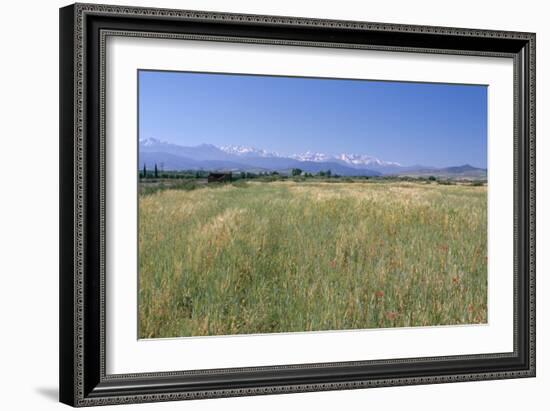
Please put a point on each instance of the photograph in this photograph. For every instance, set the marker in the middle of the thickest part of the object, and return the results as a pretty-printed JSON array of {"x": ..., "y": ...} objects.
[{"x": 280, "y": 204}]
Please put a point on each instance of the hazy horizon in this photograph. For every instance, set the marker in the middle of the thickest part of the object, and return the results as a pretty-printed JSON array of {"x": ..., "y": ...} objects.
[{"x": 438, "y": 125}]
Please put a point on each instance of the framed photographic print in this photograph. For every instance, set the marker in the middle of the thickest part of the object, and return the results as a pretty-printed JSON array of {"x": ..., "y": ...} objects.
[{"x": 262, "y": 204}]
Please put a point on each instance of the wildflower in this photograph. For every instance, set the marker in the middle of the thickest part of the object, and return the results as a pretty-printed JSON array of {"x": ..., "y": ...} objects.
[
  {"x": 379, "y": 294},
  {"x": 391, "y": 315}
]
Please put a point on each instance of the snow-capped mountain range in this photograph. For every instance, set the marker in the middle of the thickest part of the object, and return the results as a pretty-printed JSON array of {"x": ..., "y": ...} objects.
[
  {"x": 248, "y": 151},
  {"x": 241, "y": 158},
  {"x": 350, "y": 159}
]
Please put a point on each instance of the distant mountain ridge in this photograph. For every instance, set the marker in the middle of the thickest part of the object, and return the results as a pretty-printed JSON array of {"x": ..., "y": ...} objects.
[
  {"x": 354, "y": 160},
  {"x": 240, "y": 158}
]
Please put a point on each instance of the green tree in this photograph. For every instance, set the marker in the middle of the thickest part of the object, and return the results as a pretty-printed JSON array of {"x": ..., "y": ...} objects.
[
  {"x": 144, "y": 171},
  {"x": 296, "y": 172},
  {"x": 156, "y": 171}
]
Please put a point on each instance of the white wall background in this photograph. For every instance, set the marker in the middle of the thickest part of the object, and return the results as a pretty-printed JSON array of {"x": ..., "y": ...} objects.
[{"x": 29, "y": 203}]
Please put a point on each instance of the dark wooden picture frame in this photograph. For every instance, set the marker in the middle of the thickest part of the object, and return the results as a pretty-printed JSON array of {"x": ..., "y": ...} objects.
[{"x": 83, "y": 380}]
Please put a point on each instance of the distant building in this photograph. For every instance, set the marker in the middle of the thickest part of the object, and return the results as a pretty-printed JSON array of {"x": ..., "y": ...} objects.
[{"x": 220, "y": 177}]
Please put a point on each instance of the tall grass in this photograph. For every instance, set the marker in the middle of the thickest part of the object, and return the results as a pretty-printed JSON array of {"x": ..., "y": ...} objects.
[{"x": 288, "y": 256}]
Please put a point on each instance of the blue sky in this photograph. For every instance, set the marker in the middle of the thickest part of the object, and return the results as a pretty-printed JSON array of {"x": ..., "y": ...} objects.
[{"x": 411, "y": 123}]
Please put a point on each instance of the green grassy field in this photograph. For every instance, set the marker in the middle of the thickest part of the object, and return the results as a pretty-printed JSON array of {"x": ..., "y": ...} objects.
[{"x": 301, "y": 256}]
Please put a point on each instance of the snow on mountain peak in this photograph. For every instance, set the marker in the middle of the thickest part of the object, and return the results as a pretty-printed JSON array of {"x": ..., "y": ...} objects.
[
  {"x": 363, "y": 159},
  {"x": 311, "y": 156},
  {"x": 150, "y": 141},
  {"x": 350, "y": 159},
  {"x": 247, "y": 151}
]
